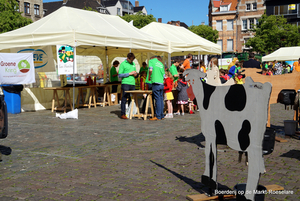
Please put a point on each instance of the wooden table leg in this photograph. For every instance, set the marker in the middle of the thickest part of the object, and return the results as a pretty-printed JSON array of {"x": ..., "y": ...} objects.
[
  {"x": 137, "y": 106},
  {"x": 131, "y": 109},
  {"x": 90, "y": 98},
  {"x": 57, "y": 99},
  {"x": 147, "y": 106},
  {"x": 70, "y": 102},
  {"x": 94, "y": 96},
  {"x": 151, "y": 102},
  {"x": 53, "y": 101},
  {"x": 108, "y": 95}
]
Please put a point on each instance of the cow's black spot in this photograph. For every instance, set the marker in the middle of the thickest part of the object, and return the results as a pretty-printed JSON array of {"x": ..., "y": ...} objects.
[
  {"x": 243, "y": 136},
  {"x": 208, "y": 90},
  {"x": 211, "y": 162},
  {"x": 220, "y": 132},
  {"x": 210, "y": 183},
  {"x": 235, "y": 99}
]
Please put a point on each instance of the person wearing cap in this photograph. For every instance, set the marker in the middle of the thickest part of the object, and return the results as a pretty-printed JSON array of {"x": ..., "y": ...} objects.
[{"x": 127, "y": 72}]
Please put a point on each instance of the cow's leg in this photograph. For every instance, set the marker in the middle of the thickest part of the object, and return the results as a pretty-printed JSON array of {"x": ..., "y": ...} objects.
[
  {"x": 210, "y": 173},
  {"x": 255, "y": 168}
]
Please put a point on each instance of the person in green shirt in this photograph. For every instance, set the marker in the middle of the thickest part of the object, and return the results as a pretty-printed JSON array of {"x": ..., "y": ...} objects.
[
  {"x": 144, "y": 67},
  {"x": 127, "y": 72},
  {"x": 113, "y": 76},
  {"x": 173, "y": 69},
  {"x": 156, "y": 76}
]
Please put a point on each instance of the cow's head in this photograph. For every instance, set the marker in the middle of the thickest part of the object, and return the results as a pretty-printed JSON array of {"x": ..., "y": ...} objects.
[{"x": 193, "y": 74}]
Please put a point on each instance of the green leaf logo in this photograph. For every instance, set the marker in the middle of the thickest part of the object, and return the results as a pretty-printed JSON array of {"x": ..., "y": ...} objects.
[{"x": 24, "y": 66}]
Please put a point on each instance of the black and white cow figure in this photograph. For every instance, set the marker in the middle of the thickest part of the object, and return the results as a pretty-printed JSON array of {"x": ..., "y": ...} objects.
[{"x": 236, "y": 116}]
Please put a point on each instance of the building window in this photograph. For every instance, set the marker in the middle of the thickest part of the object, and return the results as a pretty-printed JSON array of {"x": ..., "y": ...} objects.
[
  {"x": 26, "y": 8},
  {"x": 229, "y": 45},
  {"x": 286, "y": 9},
  {"x": 229, "y": 24},
  {"x": 245, "y": 27},
  {"x": 224, "y": 8},
  {"x": 220, "y": 42},
  {"x": 248, "y": 6},
  {"x": 245, "y": 41},
  {"x": 219, "y": 25},
  {"x": 251, "y": 23},
  {"x": 36, "y": 9},
  {"x": 119, "y": 11},
  {"x": 254, "y": 6},
  {"x": 17, "y": 6}
]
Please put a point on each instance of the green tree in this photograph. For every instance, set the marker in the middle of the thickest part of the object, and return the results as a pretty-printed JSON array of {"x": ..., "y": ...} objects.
[
  {"x": 10, "y": 17},
  {"x": 139, "y": 19},
  {"x": 205, "y": 32},
  {"x": 89, "y": 8},
  {"x": 273, "y": 32}
]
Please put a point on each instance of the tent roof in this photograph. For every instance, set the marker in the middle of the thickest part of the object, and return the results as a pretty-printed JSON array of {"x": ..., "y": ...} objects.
[
  {"x": 181, "y": 39},
  {"x": 77, "y": 27},
  {"x": 284, "y": 54}
]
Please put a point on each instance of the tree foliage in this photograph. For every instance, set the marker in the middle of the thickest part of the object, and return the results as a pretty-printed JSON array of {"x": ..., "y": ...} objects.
[
  {"x": 89, "y": 8},
  {"x": 10, "y": 18},
  {"x": 273, "y": 32},
  {"x": 205, "y": 32},
  {"x": 139, "y": 19}
]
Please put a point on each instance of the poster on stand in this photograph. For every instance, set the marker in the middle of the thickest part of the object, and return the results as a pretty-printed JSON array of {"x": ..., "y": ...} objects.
[
  {"x": 224, "y": 63},
  {"x": 16, "y": 68},
  {"x": 42, "y": 57},
  {"x": 65, "y": 59}
]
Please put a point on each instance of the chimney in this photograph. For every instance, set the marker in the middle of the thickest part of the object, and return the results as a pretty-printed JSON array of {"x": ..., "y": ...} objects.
[
  {"x": 178, "y": 23},
  {"x": 137, "y": 3},
  {"x": 159, "y": 20}
]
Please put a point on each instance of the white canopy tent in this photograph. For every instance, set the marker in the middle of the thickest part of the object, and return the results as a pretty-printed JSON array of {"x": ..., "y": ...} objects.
[
  {"x": 90, "y": 32},
  {"x": 181, "y": 41},
  {"x": 284, "y": 54}
]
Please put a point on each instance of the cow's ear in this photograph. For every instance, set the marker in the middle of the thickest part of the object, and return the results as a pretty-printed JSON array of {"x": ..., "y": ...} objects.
[{"x": 249, "y": 80}]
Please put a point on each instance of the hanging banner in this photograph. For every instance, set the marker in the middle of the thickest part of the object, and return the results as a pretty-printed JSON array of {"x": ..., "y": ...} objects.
[
  {"x": 16, "y": 68},
  {"x": 42, "y": 57},
  {"x": 65, "y": 58}
]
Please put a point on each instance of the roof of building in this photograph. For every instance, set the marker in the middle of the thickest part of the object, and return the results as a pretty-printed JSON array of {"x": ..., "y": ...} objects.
[
  {"x": 53, "y": 6},
  {"x": 137, "y": 9},
  {"x": 109, "y": 3},
  {"x": 227, "y": 2},
  {"x": 178, "y": 23},
  {"x": 216, "y": 3}
]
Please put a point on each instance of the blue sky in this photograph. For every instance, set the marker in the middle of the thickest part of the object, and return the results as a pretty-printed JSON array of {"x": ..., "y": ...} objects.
[{"x": 191, "y": 12}]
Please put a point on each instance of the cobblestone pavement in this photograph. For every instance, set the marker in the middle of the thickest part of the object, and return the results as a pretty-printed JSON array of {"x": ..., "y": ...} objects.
[{"x": 101, "y": 157}]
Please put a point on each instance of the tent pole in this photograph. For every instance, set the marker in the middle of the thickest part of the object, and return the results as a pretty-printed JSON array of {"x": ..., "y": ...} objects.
[
  {"x": 169, "y": 60},
  {"x": 74, "y": 56}
]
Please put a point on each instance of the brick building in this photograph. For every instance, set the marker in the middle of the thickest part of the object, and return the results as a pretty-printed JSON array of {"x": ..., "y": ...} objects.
[
  {"x": 32, "y": 9},
  {"x": 233, "y": 19}
]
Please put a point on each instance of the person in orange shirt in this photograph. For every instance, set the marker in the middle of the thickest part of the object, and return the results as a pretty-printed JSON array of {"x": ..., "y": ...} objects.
[
  {"x": 296, "y": 65},
  {"x": 186, "y": 63}
]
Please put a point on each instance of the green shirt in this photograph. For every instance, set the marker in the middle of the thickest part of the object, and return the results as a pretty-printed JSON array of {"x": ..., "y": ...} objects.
[
  {"x": 127, "y": 67},
  {"x": 147, "y": 81},
  {"x": 113, "y": 71},
  {"x": 158, "y": 71},
  {"x": 143, "y": 69},
  {"x": 173, "y": 71}
]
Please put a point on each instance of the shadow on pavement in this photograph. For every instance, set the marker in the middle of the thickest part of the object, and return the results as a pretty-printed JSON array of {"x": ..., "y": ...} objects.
[
  {"x": 198, "y": 186},
  {"x": 116, "y": 112},
  {"x": 197, "y": 139},
  {"x": 292, "y": 154},
  {"x": 5, "y": 150}
]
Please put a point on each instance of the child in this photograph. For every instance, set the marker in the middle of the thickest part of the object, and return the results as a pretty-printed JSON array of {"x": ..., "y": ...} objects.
[
  {"x": 168, "y": 86},
  {"x": 239, "y": 78},
  {"x": 223, "y": 76},
  {"x": 143, "y": 85},
  {"x": 182, "y": 94}
]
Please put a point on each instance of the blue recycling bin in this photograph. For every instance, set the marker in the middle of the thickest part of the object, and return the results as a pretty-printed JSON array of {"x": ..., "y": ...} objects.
[{"x": 12, "y": 97}]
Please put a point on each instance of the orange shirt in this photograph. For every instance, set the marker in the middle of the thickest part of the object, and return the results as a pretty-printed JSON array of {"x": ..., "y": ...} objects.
[
  {"x": 296, "y": 66},
  {"x": 186, "y": 64}
]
